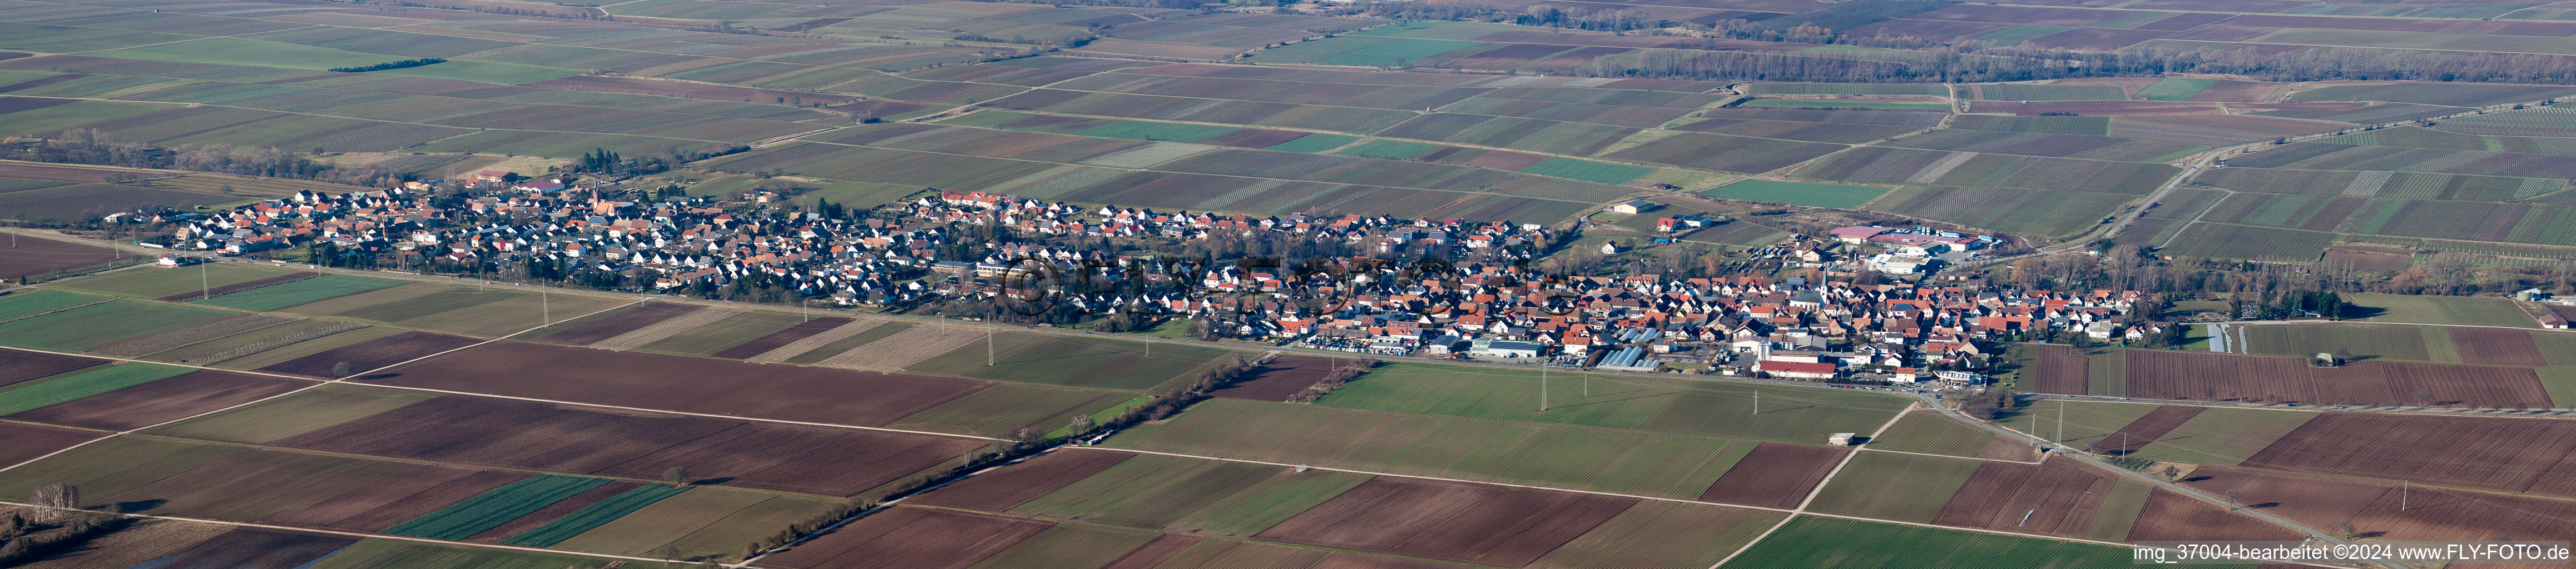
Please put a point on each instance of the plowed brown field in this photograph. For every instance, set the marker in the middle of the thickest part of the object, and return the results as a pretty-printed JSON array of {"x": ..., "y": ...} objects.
[
  {"x": 478, "y": 430},
  {"x": 2480, "y": 452},
  {"x": 371, "y": 354},
  {"x": 2393, "y": 511},
  {"x": 618, "y": 323},
  {"x": 682, "y": 383},
  {"x": 33, "y": 256},
  {"x": 2055, "y": 368},
  {"x": 238, "y": 287},
  {"x": 2057, "y": 497},
  {"x": 1774, "y": 475},
  {"x": 26, "y": 442},
  {"x": 775, "y": 340},
  {"x": 2204, "y": 376},
  {"x": 1282, "y": 377},
  {"x": 2496, "y": 346},
  {"x": 2171, "y": 516},
  {"x": 1465, "y": 522},
  {"x": 22, "y": 365},
  {"x": 398, "y": 498},
  {"x": 2147, "y": 429}
]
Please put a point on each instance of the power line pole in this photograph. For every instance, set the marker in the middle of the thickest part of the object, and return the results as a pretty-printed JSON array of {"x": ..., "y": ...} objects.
[
  {"x": 1757, "y": 403},
  {"x": 1542, "y": 389},
  {"x": 988, "y": 347},
  {"x": 2061, "y": 420},
  {"x": 545, "y": 306},
  {"x": 204, "y": 291}
]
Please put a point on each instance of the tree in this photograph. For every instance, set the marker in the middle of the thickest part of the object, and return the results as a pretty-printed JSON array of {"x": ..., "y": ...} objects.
[
  {"x": 676, "y": 476},
  {"x": 342, "y": 369},
  {"x": 2172, "y": 473},
  {"x": 2235, "y": 499},
  {"x": 58, "y": 497},
  {"x": 2347, "y": 529},
  {"x": 1027, "y": 436},
  {"x": 1083, "y": 424}
]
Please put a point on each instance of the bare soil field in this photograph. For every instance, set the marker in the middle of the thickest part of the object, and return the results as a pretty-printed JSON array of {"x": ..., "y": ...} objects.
[
  {"x": 26, "y": 442},
  {"x": 2392, "y": 511},
  {"x": 371, "y": 354},
  {"x": 2171, "y": 516},
  {"x": 35, "y": 256},
  {"x": 162, "y": 400},
  {"x": 916, "y": 538},
  {"x": 2214, "y": 130},
  {"x": 478, "y": 430},
  {"x": 2147, "y": 429},
  {"x": 775, "y": 340},
  {"x": 22, "y": 365},
  {"x": 2496, "y": 346},
  {"x": 814, "y": 342},
  {"x": 614, "y": 324},
  {"x": 2094, "y": 108},
  {"x": 238, "y": 287},
  {"x": 1282, "y": 377},
  {"x": 2519, "y": 455},
  {"x": 1007, "y": 487},
  {"x": 2058, "y": 497},
  {"x": 2055, "y": 368},
  {"x": 894, "y": 353},
  {"x": 682, "y": 383},
  {"x": 686, "y": 90},
  {"x": 398, "y": 498},
  {"x": 1464, "y": 522},
  {"x": 66, "y": 172},
  {"x": 1774, "y": 475},
  {"x": 2206, "y": 376},
  {"x": 666, "y": 328}
]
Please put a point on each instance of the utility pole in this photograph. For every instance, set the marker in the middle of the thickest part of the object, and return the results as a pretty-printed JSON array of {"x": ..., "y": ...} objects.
[
  {"x": 545, "y": 306},
  {"x": 1542, "y": 389},
  {"x": 1757, "y": 403},
  {"x": 204, "y": 290},
  {"x": 988, "y": 347},
  {"x": 1587, "y": 386},
  {"x": 2061, "y": 420},
  {"x": 2402, "y": 493}
]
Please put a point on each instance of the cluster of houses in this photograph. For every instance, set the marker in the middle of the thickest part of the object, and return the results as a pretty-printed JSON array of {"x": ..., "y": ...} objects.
[
  {"x": 1781, "y": 328},
  {"x": 1908, "y": 251},
  {"x": 1483, "y": 304}
]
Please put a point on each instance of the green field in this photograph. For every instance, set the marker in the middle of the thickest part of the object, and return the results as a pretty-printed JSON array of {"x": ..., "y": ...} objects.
[
  {"x": 1931, "y": 432},
  {"x": 595, "y": 515},
  {"x": 1364, "y": 51},
  {"x": 496, "y": 507},
  {"x": 2085, "y": 423},
  {"x": 1662, "y": 534},
  {"x": 1788, "y": 414},
  {"x": 27, "y": 302},
  {"x": 1895, "y": 486},
  {"x": 1072, "y": 360},
  {"x": 676, "y": 517},
  {"x": 101, "y": 324},
  {"x": 2383, "y": 341},
  {"x": 2561, "y": 384},
  {"x": 1854, "y": 544},
  {"x": 157, "y": 282},
  {"x": 1230, "y": 498},
  {"x": 28, "y": 396},
  {"x": 293, "y": 414},
  {"x": 1843, "y": 196},
  {"x": 1589, "y": 458},
  {"x": 112, "y": 466},
  {"x": 2175, "y": 89},
  {"x": 995, "y": 411},
  {"x": 1070, "y": 545},
  {"x": 1588, "y": 170},
  {"x": 2446, "y": 310},
  {"x": 2224, "y": 436},
  {"x": 282, "y": 295}
]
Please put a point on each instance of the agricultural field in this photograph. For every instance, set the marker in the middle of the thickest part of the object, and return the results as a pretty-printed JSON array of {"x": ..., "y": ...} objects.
[
  {"x": 1619, "y": 401},
  {"x": 1844, "y": 196}
]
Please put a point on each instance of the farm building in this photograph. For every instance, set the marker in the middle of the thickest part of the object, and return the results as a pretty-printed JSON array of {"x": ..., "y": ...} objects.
[
  {"x": 1795, "y": 370},
  {"x": 1505, "y": 349},
  {"x": 1855, "y": 235},
  {"x": 1841, "y": 439},
  {"x": 1632, "y": 206}
]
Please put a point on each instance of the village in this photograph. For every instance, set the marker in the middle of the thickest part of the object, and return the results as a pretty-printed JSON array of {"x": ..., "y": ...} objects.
[{"x": 1468, "y": 290}]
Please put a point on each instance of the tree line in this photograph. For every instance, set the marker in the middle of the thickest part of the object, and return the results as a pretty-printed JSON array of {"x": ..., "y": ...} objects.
[{"x": 391, "y": 65}]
